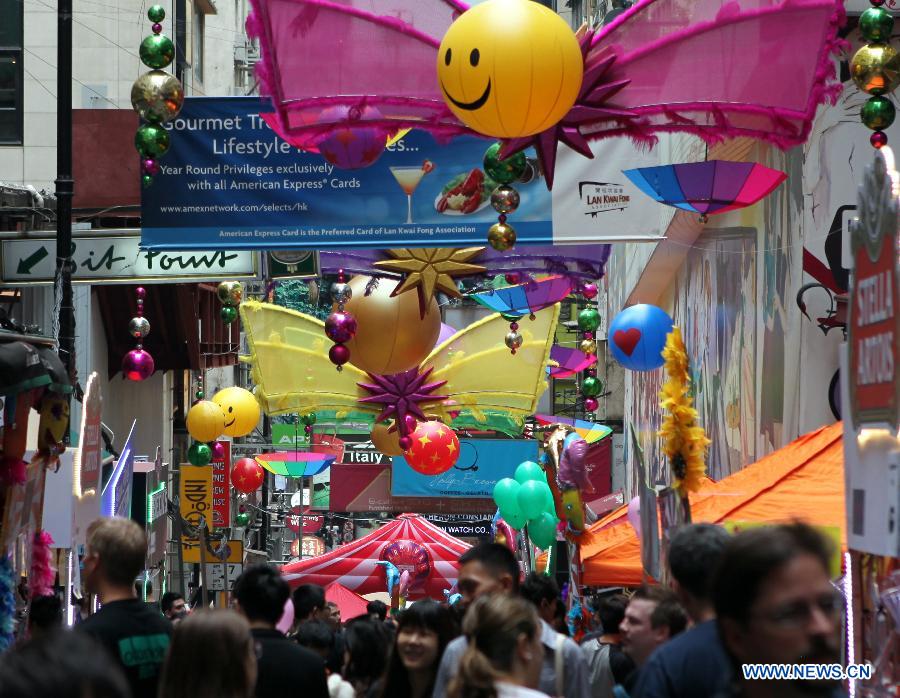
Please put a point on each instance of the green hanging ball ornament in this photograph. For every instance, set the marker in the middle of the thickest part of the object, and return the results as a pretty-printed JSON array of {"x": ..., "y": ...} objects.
[
  {"x": 199, "y": 454},
  {"x": 157, "y": 51},
  {"x": 877, "y": 113},
  {"x": 876, "y": 24},
  {"x": 156, "y": 13},
  {"x": 199, "y": 394},
  {"x": 228, "y": 314},
  {"x": 308, "y": 419},
  {"x": 504, "y": 171},
  {"x": 588, "y": 320},
  {"x": 151, "y": 140},
  {"x": 591, "y": 387},
  {"x": 146, "y": 180},
  {"x": 510, "y": 318},
  {"x": 242, "y": 519}
]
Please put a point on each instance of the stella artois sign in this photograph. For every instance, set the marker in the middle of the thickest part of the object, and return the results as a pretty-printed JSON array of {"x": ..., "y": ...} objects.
[{"x": 875, "y": 298}]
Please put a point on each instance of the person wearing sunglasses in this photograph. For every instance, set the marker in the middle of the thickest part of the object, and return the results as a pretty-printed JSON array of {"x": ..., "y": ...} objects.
[{"x": 775, "y": 604}]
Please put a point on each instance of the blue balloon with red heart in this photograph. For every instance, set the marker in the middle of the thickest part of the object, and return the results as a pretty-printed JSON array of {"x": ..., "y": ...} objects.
[{"x": 637, "y": 336}]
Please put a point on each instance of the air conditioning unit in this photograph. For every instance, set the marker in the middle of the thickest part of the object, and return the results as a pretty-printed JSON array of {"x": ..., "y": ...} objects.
[
  {"x": 240, "y": 53},
  {"x": 252, "y": 53}
]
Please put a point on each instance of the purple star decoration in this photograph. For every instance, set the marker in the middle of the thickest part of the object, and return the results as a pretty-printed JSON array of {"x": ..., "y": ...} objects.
[
  {"x": 589, "y": 107},
  {"x": 402, "y": 394}
]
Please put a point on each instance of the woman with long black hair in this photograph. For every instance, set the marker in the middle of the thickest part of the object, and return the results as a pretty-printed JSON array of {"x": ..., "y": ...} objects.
[{"x": 423, "y": 631}]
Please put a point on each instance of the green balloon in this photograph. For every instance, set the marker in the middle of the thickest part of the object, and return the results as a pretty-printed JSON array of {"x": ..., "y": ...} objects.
[
  {"x": 199, "y": 454},
  {"x": 156, "y": 13},
  {"x": 878, "y": 113},
  {"x": 542, "y": 530},
  {"x": 151, "y": 140},
  {"x": 506, "y": 170},
  {"x": 529, "y": 470},
  {"x": 505, "y": 493},
  {"x": 228, "y": 314},
  {"x": 588, "y": 320},
  {"x": 876, "y": 24},
  {"x": 532, "y": 498},
  {"x": 514, "y": 517},
  {"x": 591, "y": 386},
  {"x": 157, "y": 51}
]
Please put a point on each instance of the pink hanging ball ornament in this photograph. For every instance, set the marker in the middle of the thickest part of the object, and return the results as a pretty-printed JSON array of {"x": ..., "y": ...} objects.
[
  {"x": 405, "y": 442},
  {"x": 140, "y": 292},
  {"x": 157, "y": 28},
  {"x": 150, "y": 166},
  {"x": 589, "y": 291},
  {"x": 137, "y": 365},
  {"x": 340, "y": 327},
  {"x": 591, "y": 404},
  {"x": 354, "y": 145},
  {"x": 339, "y": 354},
  {"x": 218, "y": 451},
  {"x": 410, "y": 423}
]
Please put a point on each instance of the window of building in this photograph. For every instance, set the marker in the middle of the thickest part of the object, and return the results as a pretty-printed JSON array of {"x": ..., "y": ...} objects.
[
  {"x": 197, "y": 44},
  {"x": 11, "y": 71}
]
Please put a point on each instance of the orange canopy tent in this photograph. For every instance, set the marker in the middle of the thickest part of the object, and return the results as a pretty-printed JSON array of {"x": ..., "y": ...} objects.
[
  {"x": 349, "y": 602},
  {"x": 804, "y": 480}
]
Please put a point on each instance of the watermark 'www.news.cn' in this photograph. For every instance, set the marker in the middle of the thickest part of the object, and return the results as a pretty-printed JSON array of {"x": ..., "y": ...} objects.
[{"x": 806, "y": 672}]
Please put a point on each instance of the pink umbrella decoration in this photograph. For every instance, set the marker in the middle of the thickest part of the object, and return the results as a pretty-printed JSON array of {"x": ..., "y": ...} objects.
[
  {"x": 571, "y": 361},
  {"x": 661, "y": 66}
]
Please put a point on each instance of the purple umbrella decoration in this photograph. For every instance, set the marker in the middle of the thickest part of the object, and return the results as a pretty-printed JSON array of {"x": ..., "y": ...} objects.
[
  {"x": 570, "y": 361},
  {"x": 714, "y": 186},
  {"x": 513, "y": 302}
]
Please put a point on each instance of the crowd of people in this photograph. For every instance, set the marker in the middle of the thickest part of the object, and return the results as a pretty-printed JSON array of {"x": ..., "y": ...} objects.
[{"x": 763, "y": 595}]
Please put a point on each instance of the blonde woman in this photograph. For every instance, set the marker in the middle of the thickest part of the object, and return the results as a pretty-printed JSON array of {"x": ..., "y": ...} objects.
[{"x": 504, "y": 654}]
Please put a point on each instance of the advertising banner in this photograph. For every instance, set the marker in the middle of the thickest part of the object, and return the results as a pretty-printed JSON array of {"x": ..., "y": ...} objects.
[
  {"x": 195, "y": 498},
  {"x": 229, "y": 182},
  {"x": 221, "y": 475},
  {"x": 115, "y": 500},
  {"x": 481, "y": 463}
]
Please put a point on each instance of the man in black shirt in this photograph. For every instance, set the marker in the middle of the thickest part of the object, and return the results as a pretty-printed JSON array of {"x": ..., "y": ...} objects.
[
  {"x": 283, "y": 667},
  {"x": 135, "y": 635}
]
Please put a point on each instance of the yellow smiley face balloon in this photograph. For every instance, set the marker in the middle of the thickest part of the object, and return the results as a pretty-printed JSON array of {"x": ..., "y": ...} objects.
[
  {"x": 241, "y": 410},
  {"x": 510, "y": 68}
]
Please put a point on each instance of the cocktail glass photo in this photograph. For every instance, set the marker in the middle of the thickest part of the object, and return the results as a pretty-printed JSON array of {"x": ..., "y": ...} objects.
[{"x": 408, "y": 178}]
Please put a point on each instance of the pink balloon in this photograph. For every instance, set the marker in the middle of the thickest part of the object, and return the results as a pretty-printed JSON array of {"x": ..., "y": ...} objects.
[
  {"x": 287, "y": 617},
  {"x": 634, "y": 515}
]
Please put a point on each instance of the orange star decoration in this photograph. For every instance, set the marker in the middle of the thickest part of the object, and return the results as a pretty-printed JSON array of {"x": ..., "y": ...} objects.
[
  {"x": 435, "y": 448},
  {"x": 431, "y": 269}
]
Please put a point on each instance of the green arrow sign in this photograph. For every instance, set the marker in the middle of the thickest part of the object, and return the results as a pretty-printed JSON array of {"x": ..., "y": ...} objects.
[{"x": 27, "y": 264}]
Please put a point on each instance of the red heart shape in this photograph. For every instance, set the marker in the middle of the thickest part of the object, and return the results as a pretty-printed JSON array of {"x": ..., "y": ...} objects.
[{"x": 627, "y": 340}]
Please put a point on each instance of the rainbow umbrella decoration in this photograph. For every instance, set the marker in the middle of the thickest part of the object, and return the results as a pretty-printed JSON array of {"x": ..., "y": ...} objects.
[
  {"x": 569, "y": 361},
  {"x": 295, "y": 463},
  {"x": 525, "y": 298},
  {"x": 710, "y": 187},
  {"x": 589, "y": 431}
]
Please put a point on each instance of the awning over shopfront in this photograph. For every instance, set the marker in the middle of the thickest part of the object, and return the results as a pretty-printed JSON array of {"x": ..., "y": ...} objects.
[{"x": 802, "y": 481}]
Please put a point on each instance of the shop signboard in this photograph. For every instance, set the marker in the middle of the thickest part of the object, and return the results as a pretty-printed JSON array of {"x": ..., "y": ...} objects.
[
  {"x": 118, "y": 258},
  {"x": 195, "y": 497},
  {"x": 874, "y": 324},
  {"x": 462, "y": 525},
  {"x": 481, "y": 463},
  {"x": 221, "y": 475},
  {"x": 88, "y": 454},
  {"x": 115, "y": 499},
  {"x": 311, "y": 522},
  {"x": 229, "y": 182}
]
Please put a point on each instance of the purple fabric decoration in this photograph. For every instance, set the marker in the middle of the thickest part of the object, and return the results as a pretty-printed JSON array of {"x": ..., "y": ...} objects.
[
  {"x": 402, "y": 394},
  {"x": 571, "y": 361}
]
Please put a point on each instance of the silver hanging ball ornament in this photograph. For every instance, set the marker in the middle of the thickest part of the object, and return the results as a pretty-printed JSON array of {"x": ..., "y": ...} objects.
[
  {"x": 513, "y": 340},
  {"x": 139, "y": 327},
  {"x": 505, "y": 199},
  {"x": 341, "y": 292}
]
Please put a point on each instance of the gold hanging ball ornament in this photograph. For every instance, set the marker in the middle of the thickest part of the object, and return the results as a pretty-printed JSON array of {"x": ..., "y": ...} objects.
[
  {"x": 391, "y": 336},
  {"x": 876, "y": 69},
  {"x": 205, "y": 421},
  {"x": 386, "y": 441},
  {"x": 230, "y": 293},
  {"x": 502, "y": 237},
  {"x": 588, "y": 347},
  {"x": 157, "y": 96},
  {"x": 509, "y": 68},
  {"x": 240, "y": 409}
]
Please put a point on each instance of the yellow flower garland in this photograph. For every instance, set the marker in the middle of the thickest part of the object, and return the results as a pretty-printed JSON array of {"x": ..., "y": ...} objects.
[{"x": 685, "y": 442}]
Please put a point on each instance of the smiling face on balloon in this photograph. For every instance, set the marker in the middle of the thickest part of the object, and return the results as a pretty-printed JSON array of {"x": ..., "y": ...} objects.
[
  {"x": 240, "y": 408},
  {"x": 509, "y": 68}
]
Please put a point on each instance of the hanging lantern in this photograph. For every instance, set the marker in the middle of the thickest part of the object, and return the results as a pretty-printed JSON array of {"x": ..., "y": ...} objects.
[{"x": 247, "y": 475}]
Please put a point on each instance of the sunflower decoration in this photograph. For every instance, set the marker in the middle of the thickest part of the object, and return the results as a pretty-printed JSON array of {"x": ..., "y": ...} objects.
[{"x": 685, "y": 442}]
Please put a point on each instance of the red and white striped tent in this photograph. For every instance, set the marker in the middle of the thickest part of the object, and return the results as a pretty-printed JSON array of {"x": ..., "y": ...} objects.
[{"x": 354, "y": 564}]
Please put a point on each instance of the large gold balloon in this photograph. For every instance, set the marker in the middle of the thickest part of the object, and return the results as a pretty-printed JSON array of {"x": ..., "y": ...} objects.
[
  {"x": 876, "y": 69},
  {"x": 240, "y": 408},
  {"x": 385, "y": 441},
  {"x": 391, "y": 336},
  {"x": 205, "y": 421},
  {"x": 509, "y": 68},
  {"x": 157, "y": 96}
]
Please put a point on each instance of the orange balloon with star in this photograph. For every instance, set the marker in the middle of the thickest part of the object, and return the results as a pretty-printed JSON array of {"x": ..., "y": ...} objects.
[
  {"x": 247, "y": 475},
  {"x": 435, "y": 448}
]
